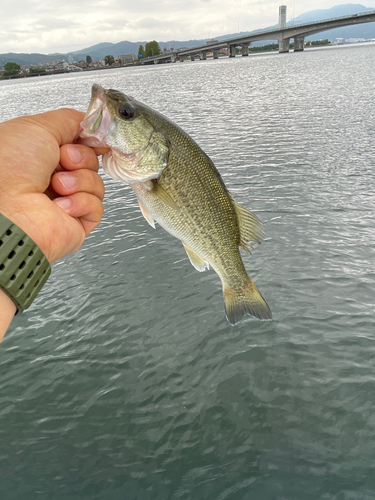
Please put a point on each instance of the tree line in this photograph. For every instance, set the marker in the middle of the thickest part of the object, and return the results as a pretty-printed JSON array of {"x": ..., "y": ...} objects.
[
  {"x": 11, "y": 68},
  {"x": 149, "y": 50}
]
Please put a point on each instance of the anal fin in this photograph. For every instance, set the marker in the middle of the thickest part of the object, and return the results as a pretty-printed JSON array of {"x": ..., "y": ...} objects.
[
  {"x": 146, "y": 214},
  {"x": 197, "y": 261}
]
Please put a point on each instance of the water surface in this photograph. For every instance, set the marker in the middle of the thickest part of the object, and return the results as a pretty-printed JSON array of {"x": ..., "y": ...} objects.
[{"x": 124, "y": 380}]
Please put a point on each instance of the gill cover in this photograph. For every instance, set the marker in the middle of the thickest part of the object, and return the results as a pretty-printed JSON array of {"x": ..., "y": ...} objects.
[{"x": 138, "y": 152}]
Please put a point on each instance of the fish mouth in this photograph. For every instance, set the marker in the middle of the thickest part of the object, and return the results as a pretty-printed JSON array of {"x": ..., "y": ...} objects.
[
  {"x": 97, "y": 130},
  {"x": 98, "y": 119}
]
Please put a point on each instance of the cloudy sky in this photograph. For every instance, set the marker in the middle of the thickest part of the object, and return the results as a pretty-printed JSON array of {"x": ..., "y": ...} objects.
[{"x": 67, "y": 25}]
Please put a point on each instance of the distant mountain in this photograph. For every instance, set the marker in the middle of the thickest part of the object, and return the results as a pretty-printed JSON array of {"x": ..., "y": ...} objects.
[
  {"x": 125, "y": 47},
  {"x": 337, "y": 11},
  {"x": 24, "y": 59},
  {"x": 100, "y": 50},
  {"x": 360, "y": 31}
]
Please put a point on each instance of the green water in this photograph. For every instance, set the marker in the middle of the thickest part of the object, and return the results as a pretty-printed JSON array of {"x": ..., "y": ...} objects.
[{"x": 124, "y": 380}]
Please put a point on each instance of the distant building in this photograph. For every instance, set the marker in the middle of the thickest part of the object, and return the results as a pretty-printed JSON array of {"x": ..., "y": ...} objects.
[
  {"x": 82, "y": 64},
  {"x": 56, "y": 66},
  {"x": 61, "y": 65},
  {"x": 96, "y": 64},
  {"x": 127, "y": 58},
  {"x": 355, "y": 40},
  {"x": 74, "y": 67},
  {"x": 210, "y": 42},
  {"x": 282, "y": 17},
  {"x": 70, "y": 59}
]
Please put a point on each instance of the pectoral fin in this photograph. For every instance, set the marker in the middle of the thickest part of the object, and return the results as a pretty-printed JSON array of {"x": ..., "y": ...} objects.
[
  {"x": 146, "y": 214},
  {"x": 199, "y": 264},
  {"x": 251, "y": 229},
  {"x": 158, "y": 191}
]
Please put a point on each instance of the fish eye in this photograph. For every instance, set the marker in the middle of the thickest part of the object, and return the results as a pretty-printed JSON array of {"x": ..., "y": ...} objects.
[{"x": 126, "y": 111}]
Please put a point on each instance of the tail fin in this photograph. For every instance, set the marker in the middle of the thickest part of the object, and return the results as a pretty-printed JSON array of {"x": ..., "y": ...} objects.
[{"x": 247, "y": 300}]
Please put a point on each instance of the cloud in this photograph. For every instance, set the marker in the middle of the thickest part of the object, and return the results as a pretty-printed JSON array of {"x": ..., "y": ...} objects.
[
  {"x": 56, "y": 26},
  {"x": 54, "y": 23}
]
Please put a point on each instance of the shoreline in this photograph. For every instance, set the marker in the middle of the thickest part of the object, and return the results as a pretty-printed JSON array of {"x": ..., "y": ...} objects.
[{"x": 138, "y": 63}]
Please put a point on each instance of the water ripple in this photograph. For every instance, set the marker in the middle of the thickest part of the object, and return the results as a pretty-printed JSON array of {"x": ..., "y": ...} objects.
[{"x": 125, "y": 381}]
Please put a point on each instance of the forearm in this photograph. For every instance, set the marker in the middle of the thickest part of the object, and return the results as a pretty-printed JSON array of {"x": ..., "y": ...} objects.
[{"x": 7, "y": 312}]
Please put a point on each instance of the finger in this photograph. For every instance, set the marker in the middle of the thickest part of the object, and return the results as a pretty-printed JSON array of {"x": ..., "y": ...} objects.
[
  {"x": 101, "y": 151},
  {"x": 63, "y": 124},
  {"x": 84, "y": 207},
  {"x": 77, "y": 156},
  {"x": 67, "y": 183}
]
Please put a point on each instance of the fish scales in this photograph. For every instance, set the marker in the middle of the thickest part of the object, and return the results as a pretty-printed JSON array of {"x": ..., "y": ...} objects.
[
  {"x": 178, "y": 186},
  {"x": 194, "y": 212}
]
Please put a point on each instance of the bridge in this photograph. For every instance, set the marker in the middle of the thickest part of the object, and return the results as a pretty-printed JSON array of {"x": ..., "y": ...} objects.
[{"x": 282, "y": 34}]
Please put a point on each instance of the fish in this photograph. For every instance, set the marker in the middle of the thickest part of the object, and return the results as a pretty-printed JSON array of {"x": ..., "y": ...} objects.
[{"x": 178, "y": 186}]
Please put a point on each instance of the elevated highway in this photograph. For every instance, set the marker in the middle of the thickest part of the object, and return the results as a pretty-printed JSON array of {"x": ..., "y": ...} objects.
[{"x": 283, "y": 35}]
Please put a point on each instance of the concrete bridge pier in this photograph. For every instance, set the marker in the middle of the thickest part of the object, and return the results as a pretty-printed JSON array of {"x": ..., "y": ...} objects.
[
  {"x": 192, "y": 57},
  {"x": 299, "y": 43},
  {"x": 232, "y": 50},
  {"x": 202, "y": 55},
  {"x": 175, "y": 58},
  {"x": 215, "y": 54},
  {"x": 245, "y": 48},
  {"x": 284, "y": 45}
]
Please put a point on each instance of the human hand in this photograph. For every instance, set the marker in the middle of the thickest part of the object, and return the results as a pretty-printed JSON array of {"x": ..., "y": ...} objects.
[{"x": 50, "y": 187}]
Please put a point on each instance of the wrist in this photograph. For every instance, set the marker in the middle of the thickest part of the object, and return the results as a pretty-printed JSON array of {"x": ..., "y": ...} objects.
[
  {"x": 7, "y": 311},
  {"x": 23, "y": 267}
]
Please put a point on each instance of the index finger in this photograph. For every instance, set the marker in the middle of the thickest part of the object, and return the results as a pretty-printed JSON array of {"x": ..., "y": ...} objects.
[{"x": 62, "y": 124}]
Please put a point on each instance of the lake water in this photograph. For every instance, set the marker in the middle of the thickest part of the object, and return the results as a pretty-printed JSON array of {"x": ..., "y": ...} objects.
[{"x": 124, "y": 381}]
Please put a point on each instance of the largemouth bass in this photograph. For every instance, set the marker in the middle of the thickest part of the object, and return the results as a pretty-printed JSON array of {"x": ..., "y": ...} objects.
[{"x": 178, "y": 186}]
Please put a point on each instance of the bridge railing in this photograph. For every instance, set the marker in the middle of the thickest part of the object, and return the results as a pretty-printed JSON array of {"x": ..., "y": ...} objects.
[{"x": 261, "y": 32}]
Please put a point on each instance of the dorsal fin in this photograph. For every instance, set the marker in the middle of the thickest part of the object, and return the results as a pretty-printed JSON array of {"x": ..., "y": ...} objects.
[{"x": 251, "y": 229}]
